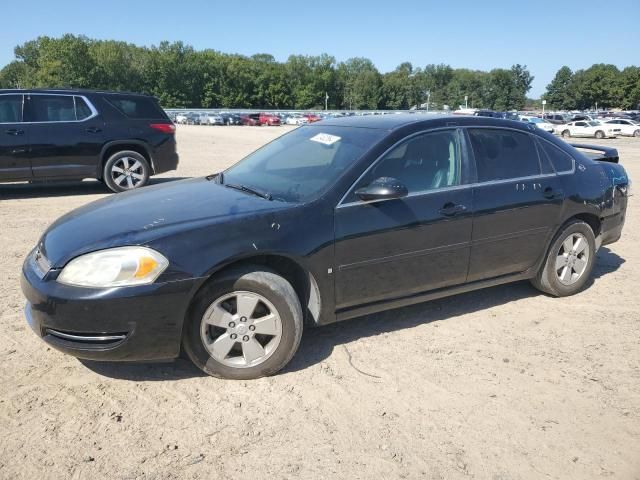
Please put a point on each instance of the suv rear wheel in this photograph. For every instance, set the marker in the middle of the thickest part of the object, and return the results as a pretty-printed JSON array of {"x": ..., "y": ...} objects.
[{"x": 126, "y": 170}]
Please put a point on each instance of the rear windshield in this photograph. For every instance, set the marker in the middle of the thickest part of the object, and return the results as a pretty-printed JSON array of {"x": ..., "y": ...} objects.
[{"x": 137, "y": 107}]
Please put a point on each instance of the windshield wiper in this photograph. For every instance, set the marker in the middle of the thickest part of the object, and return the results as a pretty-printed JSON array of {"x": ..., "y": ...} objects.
[{"x": 253, "y": 191}]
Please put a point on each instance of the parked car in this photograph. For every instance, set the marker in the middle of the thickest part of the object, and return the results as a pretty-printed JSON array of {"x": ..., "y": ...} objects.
[
  {"x": 588, "y": 129},
  {"x": 557, "y": 118},
  {"x": 211, "y": 119},
  {"x": 312, "y": 117},
  {"x": 331, "y": 221},
  {"x": 627, "y": 127},
  {"x": 269, "y": 119},
  {"x": 189, "y": 118},
  {"x": 538, "y": 122},
  {"x": 119, "y": 138},
  {"x": 252, "y": 119},
  {"x": 231, "y": 119},
  {"x": 297, "y": 120}
]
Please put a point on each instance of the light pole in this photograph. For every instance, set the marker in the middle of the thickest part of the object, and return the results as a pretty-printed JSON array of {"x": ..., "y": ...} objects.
[
  {"x": 465, "y": 101},
  {"x": 428, "y": 92},
  {"x": 544, "y": 102},
  {"x": 326, "y": 99}
]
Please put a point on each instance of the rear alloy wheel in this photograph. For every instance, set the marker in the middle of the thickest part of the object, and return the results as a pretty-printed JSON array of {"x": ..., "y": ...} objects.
[
  {"x": 244, "y": 324},
  {"x": 569, "y": 262},
  {"x": 566, "y": 133},
  {"x": 126, "y": 170},
  {"x": 600, "y": 134},
  {"x": 636, "y": 133}
]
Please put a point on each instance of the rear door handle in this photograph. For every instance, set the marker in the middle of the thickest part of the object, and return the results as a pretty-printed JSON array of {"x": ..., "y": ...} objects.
[
  {"x": 552, "y": 193},
  {"x": 94, "y": 130},
  {"x": 14, "y": 131},
  {"x": 449, "y": 209}
]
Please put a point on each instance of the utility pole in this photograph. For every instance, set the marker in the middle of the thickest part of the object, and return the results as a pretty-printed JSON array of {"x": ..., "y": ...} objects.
[
  {"x": 326, "y": 100},
  {"x": 465, "y": 101},
  {"x": 428, "y": 92}
]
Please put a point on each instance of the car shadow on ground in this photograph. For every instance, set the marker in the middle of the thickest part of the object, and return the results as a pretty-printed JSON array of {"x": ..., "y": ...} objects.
[
  {"x": 12, "y": 191},
  {"x": 319, "y": 343}
]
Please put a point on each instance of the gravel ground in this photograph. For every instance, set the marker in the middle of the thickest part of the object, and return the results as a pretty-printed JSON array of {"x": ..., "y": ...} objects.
[{"x": 503, "y": 383}]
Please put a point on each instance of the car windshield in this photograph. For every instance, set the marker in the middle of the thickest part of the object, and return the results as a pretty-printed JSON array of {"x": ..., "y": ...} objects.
[
  {"x": 535, "y": 120},
  {"x": 299, "y": 166},
  {"x": 594, "y": 124}
]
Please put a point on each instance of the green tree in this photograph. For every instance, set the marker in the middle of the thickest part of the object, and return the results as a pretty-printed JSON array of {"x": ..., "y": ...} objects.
[{"x": 560, "y": 92}]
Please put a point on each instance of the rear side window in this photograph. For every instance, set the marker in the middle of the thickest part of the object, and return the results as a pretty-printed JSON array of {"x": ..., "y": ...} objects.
[
  {"x": 82, "y": 109},
  {"x": 503, "y": 154},
  {"x": 10, "y": 108},
  {"x": 137, "y": 107},
  {"x": 51, "y": 108},
  {"x": 561, "y": 161}
]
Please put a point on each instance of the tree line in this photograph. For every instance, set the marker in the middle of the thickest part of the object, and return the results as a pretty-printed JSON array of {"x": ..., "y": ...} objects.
[
  {"x": 180, "y": 76},
  {"x": 601, "y": 86}
]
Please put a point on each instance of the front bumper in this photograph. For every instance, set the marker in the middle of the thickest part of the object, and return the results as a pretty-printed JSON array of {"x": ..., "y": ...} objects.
[{"x": 126, "y": 323}]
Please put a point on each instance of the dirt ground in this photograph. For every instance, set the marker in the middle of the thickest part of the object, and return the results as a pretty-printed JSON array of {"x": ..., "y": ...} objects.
[{"x": 499, "y": 384}]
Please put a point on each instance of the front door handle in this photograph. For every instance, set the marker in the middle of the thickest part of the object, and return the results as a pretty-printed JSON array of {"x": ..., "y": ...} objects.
[
  {"x": 94, "y": 130},
  {"x": 449, "y": 209},
  {"x": 552, "y": 193},
  {"x": 14, "y": 131}
]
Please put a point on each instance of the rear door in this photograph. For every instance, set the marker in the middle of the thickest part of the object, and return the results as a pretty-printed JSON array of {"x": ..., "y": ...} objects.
[
  {"x": 394, "y": 248},
  {"x": 65, "y": 137},
  {"x": 518, "y": 203},
  {"x": 14, "y": 139}
]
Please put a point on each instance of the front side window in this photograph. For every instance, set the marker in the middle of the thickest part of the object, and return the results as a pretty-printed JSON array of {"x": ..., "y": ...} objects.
[
  {"x": 10, "y": 108},
  {"x": 422, "y": 163},
  {"x": 503, "y": 154},
  {"x": 51, "y": 108}
]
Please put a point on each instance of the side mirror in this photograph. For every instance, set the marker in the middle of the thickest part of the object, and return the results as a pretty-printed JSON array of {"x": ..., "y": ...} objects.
[{"x": 382, "y": 188}]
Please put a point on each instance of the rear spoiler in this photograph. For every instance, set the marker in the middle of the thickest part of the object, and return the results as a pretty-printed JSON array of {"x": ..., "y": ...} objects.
[{"x": 598, "y": 152}]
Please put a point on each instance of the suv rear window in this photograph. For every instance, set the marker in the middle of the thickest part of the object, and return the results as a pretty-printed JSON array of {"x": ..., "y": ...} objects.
[{"x": 137, "y": 107}]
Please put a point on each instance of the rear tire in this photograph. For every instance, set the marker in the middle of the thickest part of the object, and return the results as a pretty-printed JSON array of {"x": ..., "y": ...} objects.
[
  {"x": 569, "y": 261},
  {"x": 126, "y": 170},
  {"x": 566, "y": 134},
  {"x": 600, "y": 134},
  {"x": 636, "y": 133},
  {"x": 226, "y": 325}
]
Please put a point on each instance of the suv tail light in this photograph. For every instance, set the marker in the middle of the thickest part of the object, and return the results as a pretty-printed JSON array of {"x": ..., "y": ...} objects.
[{"x": 169, "y": 128}]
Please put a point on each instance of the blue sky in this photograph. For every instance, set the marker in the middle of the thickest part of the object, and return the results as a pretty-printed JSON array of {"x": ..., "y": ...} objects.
[{"x": 543, "y": 34}]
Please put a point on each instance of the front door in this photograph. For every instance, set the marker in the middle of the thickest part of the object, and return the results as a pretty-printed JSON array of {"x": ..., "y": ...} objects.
[
  {"x": 517, "y": 202},
  {"x": 14, "y": 140},
  {"x": 393, "y": 248},
  {"x": 65, "y": 137}
]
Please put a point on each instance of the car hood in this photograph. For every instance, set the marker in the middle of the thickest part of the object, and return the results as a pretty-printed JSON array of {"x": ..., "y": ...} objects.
[{"x": 140, "y": 216}]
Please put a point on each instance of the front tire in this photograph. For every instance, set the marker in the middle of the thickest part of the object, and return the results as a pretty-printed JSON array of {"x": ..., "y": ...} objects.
[
  {"x": 245, "y": 324},
  {"x": 636, "y": 133},
  {"x": 599, "y": 134},
  {"x": 569, "y": 262},
  {"x": 126, "y": 170}
]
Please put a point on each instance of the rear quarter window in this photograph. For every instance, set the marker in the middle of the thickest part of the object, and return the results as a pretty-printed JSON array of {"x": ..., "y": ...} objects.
[
  {"x": 561, "y": 161},
  {"x": 137, "y": 107}
]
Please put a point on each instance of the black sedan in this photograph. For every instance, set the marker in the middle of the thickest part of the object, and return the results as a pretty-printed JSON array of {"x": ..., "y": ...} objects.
[{"x": 331, "y": 221}]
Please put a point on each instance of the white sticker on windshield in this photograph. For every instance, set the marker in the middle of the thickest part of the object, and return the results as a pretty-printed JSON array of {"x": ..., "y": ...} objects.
[{"x": 325, "y": 138}]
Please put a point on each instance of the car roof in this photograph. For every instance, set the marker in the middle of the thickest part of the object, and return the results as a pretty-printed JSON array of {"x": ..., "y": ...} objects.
[
  {"x": 78, "y": 91},
  {"x": 396, "y": 121}
]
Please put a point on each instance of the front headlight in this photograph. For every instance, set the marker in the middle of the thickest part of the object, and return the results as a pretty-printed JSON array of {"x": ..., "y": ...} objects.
[{"x": 115, "y": 267}]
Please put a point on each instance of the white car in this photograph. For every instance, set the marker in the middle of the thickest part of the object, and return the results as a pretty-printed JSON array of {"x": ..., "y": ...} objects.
[
  {"x": 583, "y": 128},
  {"x": 297, "y": 120},
  {"x": 538, "y": 122},
  {"x": 211, "y": 119},
  {"x": 627, "y": 127}
]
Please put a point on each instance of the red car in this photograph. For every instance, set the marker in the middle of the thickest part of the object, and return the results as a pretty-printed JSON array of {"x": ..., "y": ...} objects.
[
  {"x": 269, "y": 119},
  {"x": 253, "y": 119},
  {"x": 312, "y": 117}
]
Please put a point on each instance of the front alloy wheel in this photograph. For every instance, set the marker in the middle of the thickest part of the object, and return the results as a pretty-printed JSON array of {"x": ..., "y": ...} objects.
[
  {"x": 241, "y": 329},
  {"x": 245, "y": 323}
]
